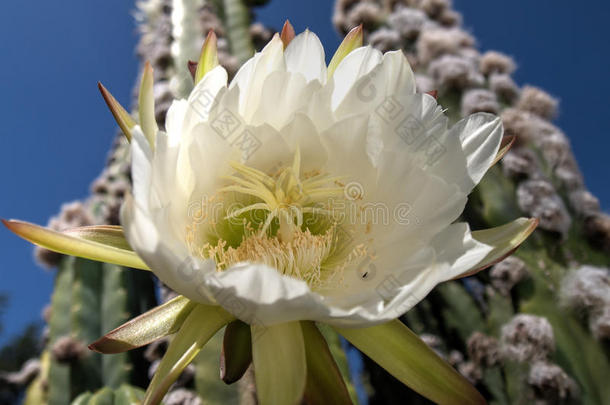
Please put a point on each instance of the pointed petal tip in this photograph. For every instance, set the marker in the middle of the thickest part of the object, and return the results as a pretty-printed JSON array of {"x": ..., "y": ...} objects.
[
  {"x": 121, "y": 116},
  {"x": 287, "y": 34},
  {"x": 353, "y": 40},
  {"x": 433, "y": 93},
  {"x": 208, "y": 58}
]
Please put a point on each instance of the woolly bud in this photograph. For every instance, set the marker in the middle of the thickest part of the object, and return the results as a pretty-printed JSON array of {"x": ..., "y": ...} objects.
[
  {"x": 163, "y": 99},
  {"x": 451, "y": 71},
  {"x": 433, "y": 43},
  {"x": 504, "y": 87},
  {"x": 495, "y": 62},
  {"x": 479, "y": 100},
  {"x": 587, "y": 287},
  {"x": 550, "y": 382},
  {"x": 527, "y": 337},
  {"x": 408, "y": 22},
  {"x": 555, "y": 148},
  {"x": 455, "y": 358},
  {"x": 600, "y": 323},
  {"x": 483, "y": 349},
  {"x": 385, "y": 39},
  {"x": 537, "y": 102},
  {"x": 182, "y": 396},
  {"x": 228, "y": 61},
  {"x": 365, "y": 13},
  {"x": 433, "y": 342},
  {"x": 584, "y": 203},
  {"x": 434, "y": 8},
  {"x": 506, "y": 274},
  {"x": 260, "y": 35},
  {"x": 597, "y": 231},
  {"x": 470, "y": 371},
  {"x": 67, "y": 349},
  {"x": 519, "y": 162},
  {"x": 424, "y": 83},
  {"x": 23, "y": 377},
  {"x": 538, "y": 199},
  {"x": 568, "y": 173},
  {"x": 450, "y": 18},
  {"x": 210, "y": 21}
]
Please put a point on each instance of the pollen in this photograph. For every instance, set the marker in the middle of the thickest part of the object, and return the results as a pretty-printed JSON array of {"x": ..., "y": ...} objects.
[{"x": 300, "y": 233}]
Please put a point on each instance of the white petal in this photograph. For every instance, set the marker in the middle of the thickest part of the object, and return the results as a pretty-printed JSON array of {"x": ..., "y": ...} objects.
[
  {"x": 392, "y": 76},
  {"x": 355, "y": 65},
  {"x": 305, "y": 55},
  {"x": 165, "y": 254},
  {"x": 141, "y": 165},
  {"x": 251, "y": 76},
  {"x": 283, "y": 94},
  {"x": 472, "y": 145}
]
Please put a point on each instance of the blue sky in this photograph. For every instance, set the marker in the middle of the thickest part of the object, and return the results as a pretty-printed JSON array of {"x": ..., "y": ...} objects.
[{"x": 55, "y": 129}]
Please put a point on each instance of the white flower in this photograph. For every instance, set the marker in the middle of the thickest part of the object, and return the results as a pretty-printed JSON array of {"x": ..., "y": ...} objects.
[
  {"x": 281, "y": 148},
  {"x": 298, "y": 193}
]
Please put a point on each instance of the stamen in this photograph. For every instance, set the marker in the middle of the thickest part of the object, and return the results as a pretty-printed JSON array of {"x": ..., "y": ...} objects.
[{"x": 317, "y": 258}]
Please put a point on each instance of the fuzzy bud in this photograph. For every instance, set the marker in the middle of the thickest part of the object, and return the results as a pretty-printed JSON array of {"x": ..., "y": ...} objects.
[
  {"x": 479, "y": 100},
  {"x": 182, "y": 396},
  {"x": 260, "y": 35},
  {"x": 597, "y": 231},
  {"x": 555, "y": 148},
  {"x": 538, "y": 199},
  {"x": 527, "y": 127},
  {"x": 67, "y": 349},
  {"x": 493, "y": 62},
  {"x": 584, "y": 203},
  {"x": 433, "y": 43},
  {"x": 23, "y": 377},
  {"x": 527, "y": 337},
  {"x": 551, "y": 384},
  {"x": 424, "y": 83},
  {"x": 586, "y": 287},
  {"x": 455, "y": 72},
  {"x": 385, "y": 39},
  {"x": 366, "y": 13},
  {"x": 506, "y": 274},
  {"x": 600, "y": 323},
  {"x": 504, "y": 87},
  {"x": 434, "y": 8},
  {"x": 408, "y": 22},
  {"x": 519, "y": 162},
  {"x": 538, "y": 102},
  {"x": 470, "y": 371},
  {"x": 483, "y": 349},
  {"x": 450, "y": 18}
]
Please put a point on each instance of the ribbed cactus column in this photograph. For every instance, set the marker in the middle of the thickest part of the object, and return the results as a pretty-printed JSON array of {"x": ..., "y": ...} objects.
[{"x": 517, "y": 330}]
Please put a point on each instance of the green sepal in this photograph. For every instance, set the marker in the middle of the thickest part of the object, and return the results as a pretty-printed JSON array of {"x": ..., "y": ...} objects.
[
  {"x": 278, "y": 355},
  {"x": 236, "y": 354},
  {"x": 200, "y": 325},
  {"x": 404, "y": 355},
  {"x": 146, "y": 328},
  {"x": 325, "y": 383}
]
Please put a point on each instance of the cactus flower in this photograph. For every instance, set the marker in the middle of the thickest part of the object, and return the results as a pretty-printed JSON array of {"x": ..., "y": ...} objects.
[{"x": 298, "y": 194}]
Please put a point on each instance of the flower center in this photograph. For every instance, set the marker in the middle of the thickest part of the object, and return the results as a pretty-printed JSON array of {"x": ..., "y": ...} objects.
[{"x": 288, "y": 220}]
